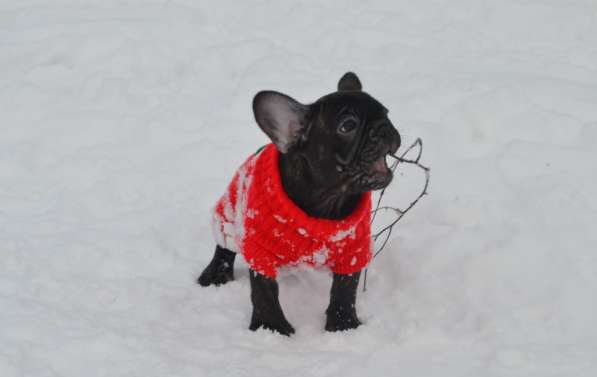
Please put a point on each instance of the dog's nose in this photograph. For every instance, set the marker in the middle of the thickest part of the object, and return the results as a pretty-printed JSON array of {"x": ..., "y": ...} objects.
[
  {"x": 396, "y": 141},
  {"x": 385, "y": 130},
  {"x": 392, "y": 137}
]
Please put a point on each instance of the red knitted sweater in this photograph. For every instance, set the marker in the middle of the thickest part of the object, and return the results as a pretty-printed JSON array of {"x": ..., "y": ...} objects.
[{"x": 257, "y": 218}]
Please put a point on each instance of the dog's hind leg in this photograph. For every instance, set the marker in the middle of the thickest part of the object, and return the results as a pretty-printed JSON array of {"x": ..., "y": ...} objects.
[
  {"x": 267, "y": 312},
  {"x": 220, "y": 270}
]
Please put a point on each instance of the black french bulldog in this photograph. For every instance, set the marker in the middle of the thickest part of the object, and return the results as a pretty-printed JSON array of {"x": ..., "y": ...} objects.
[{"x": 331, "y": 152}]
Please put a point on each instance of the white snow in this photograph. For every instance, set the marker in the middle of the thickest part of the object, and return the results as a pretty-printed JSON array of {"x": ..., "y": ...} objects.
[
  {"x": 228, "y": 227},
  {"x": 342, "y": 234},
  {"x": 320, "y": 257},
  {"x": 280, "y": 219},
  {"x": 122, "y": 122}
]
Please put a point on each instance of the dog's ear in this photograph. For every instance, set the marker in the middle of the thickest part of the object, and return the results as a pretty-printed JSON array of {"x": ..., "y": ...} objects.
[
  {"x": 349, "y": 82},
  {"x": 281, "y": 118}
]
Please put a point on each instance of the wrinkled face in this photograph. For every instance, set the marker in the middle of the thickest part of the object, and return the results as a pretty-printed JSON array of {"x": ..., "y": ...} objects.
[
  {"x": 343, "y": 137},
  {"x": 349, "y": 138}
]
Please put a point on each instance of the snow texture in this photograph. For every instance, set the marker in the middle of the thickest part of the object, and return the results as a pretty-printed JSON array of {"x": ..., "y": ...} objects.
[
  {"x": 228, "y": 227},
  {"x": 342, "y": 234},
  {"x": 123, "y": 121}
]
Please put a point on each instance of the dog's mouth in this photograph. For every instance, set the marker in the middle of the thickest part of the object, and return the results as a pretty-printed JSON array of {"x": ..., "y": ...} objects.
[
  {"x": 380, "y": 166},
  {"x": 378, "y": 176}
]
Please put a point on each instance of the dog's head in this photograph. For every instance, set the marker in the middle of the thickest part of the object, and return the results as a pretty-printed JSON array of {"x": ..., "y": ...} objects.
[{"x": 343, "y": 138}]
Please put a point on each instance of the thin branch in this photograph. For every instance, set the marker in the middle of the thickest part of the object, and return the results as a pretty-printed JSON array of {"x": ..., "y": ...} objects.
[{"x": 387, "y": 230}]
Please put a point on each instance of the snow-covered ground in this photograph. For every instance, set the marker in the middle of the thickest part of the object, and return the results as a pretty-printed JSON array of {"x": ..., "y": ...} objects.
[{"x": 121, "y": 123}]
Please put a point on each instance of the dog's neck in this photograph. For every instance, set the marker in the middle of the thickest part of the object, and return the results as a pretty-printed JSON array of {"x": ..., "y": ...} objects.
[{"x": 314, "y": 199}]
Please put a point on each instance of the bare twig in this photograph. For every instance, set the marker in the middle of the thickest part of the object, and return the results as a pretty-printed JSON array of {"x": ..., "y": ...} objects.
[{"x": 387, "y": 230}]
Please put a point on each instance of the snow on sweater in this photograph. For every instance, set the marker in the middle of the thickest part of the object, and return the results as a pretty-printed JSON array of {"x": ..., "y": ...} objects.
[{"x": 255, "y": 217}]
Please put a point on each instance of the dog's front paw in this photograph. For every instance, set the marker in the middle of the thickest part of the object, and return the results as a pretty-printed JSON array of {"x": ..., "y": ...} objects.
[
  {"x": 220, "y": 270},
  {"x": 216, "y": 273},
  {"x": 340, "y": 319},
  {"x": 215, "y": 277},
  {"x": 279, "y": 324}
]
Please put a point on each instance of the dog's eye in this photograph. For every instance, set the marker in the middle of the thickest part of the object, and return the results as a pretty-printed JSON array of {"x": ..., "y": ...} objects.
[{"x": 347, "y": 126}]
